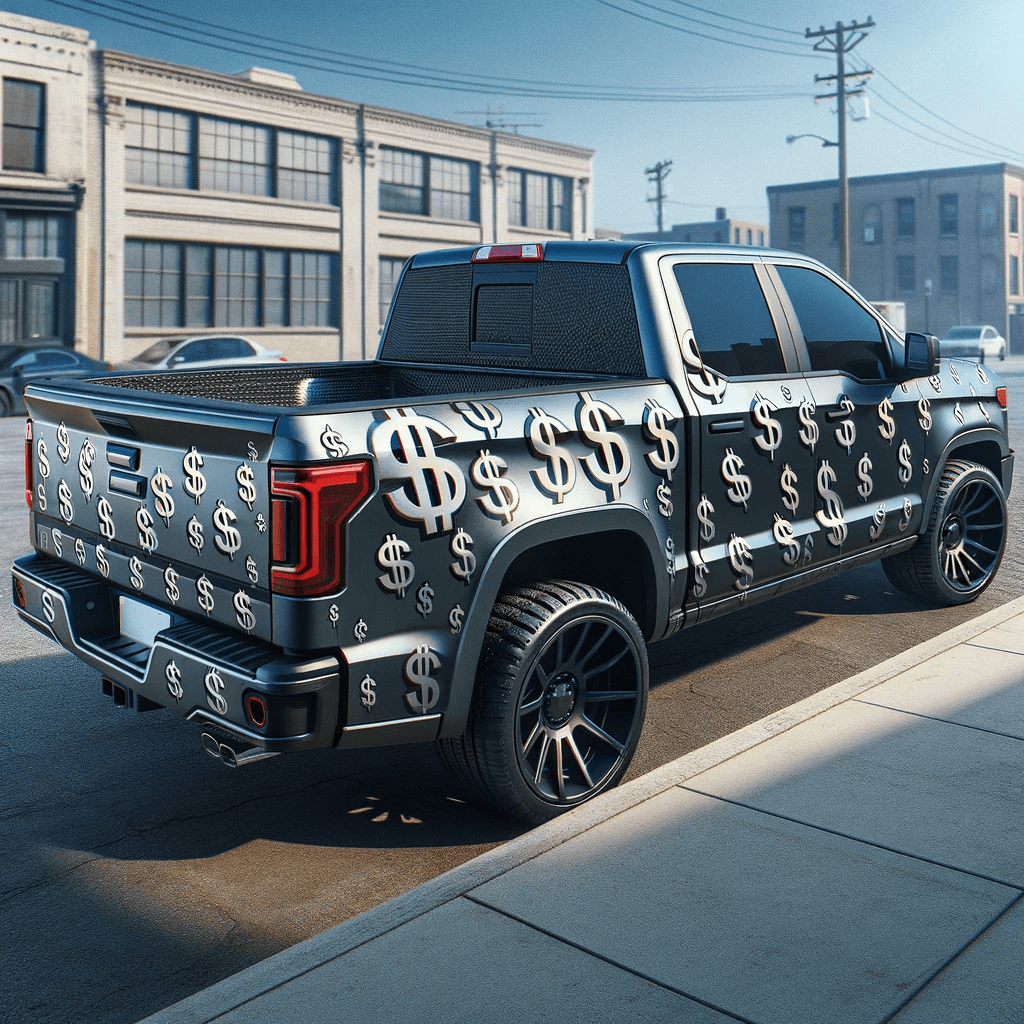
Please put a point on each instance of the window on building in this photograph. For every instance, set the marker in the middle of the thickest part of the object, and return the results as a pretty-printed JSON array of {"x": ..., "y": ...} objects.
[
  {"x": 305, "y": 167},
  {"x": 158, "y": 146},
  {"x": 736, "y": 236},
  {"x": 29, "y": 236},
  {"x": 906, "y": 274},
  {"x": 430, "y": 186},
  {"x": 1014, "y": 215},
  {"x": 176, "y": 284},
  {"x": 872, "y": 224},
  {"x": 234, "y": 157},
  {"x": 542, "y": 201},
  {"x": 750, "y": 236},
  {"x": 390, "y": 271},
  {"x": 988, "y": 214},
  {"x": 949, "y": 274},
  {"x": 796, "y": 225},
  {"x": 24, "y": 123},
  {"x": 1014, "y": 284},
  {"x": 949, "y": 214},
  {"x": 906, "y": 218},
  {"x": 760, "y": 238}
]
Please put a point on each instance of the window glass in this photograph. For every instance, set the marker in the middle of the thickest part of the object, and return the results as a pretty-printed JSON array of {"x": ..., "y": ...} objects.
[
  {"x": 949, "y": 214},
  {"x": 158, "y": 146},
  {"x": 542, "y": 201},
  {"x": 872, "y": 224},
  {"x": 305, "y": 167},
  {"x": 906, "y": 218},
  {"x": 402, "y": 185},
  {"x": 23, "y": 110},
  {"x": 1014, "y": 215},
  {"x": 796, "y": 225},
  {"x": 453, "y": 189},
  {"x": 839, "y": 332},
  {"x": 730, "y": 319},
  {"x": 234, "y": 157},
  {"x": 390, "y": 271}
]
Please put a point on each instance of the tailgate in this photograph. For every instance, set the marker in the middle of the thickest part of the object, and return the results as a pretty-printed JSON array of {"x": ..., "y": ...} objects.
[{"x": 166, "y": 500}]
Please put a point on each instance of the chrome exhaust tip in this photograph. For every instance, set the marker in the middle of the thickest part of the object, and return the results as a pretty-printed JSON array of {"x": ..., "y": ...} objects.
[{"x": 233, "y": 753}]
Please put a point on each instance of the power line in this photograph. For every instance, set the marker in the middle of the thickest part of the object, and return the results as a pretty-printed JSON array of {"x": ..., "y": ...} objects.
[{"x": 742, "y": 21}]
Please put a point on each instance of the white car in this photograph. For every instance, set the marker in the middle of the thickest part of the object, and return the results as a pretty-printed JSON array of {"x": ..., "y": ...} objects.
[
  {"x": 980, "y": 343},
  {"x": 201, "y": 351}
]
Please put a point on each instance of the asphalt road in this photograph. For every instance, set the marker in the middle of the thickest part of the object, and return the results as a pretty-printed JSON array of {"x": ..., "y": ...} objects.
[{"x": 134, "y": 870}]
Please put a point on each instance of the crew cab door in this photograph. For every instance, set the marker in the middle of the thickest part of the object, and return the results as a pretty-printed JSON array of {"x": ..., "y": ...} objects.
[
  {"x": 873, "y": 457},
  {"x": 751, "y": 495}
]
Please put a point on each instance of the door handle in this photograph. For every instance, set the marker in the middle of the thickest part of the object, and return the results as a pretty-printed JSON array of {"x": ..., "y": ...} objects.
[{"x": 726, "y": 426}]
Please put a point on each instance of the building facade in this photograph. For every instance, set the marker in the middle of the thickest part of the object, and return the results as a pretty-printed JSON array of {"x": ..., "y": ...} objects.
[
  {"x": 946, "y": 243},
  {"x": 197, "y": 202},
  {"x": 723, "y": 229}
]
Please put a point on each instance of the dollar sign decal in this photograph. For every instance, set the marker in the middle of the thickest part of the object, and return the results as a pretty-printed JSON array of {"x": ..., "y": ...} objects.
[
  {"x": 434, "y": 488},
  {"x": 658, "y": 429},
  {"x": 67, "y": 509},
  {"x": 908, "y": 511},
  {"x": 425, "y": 600},
  {"x": 866, "y": 485},
  {"x": 982, "y": 376},
  {"x": 195, "y": 535},
  {"x": 400, "y": 571},
  {"x": 80, "y": 550},
  {"x": 953, "y": 373},
  {"x": 610, "y": 464},
  {"x": 782, "y": 530},
  {"x": 481, "y": 416},
  {"x": 369, "y": 693},
  {"x": 147, "y": 535},
  {"x": 195, "y": 482},
  {"x": 244, "y": 615},
  {"x": 924, "y": 416},
  {"x": 252, "y": 452},
  {"x": 887, "y": 428},
  {"x": 763, "y": 420},
  {"x": 246, "y": 488},
  {"x": 359, "y": 631},
  {"x": 543, "y": 436},
  {"x": 846, "y": 432},
  {"x": 906, "y": 466},
  {"x": 787, "y": 484},
  {"x": 808, "y": 425},
  {"x": 173, "y": 676},
  {"x": 63, "y": 443},
  {"x": 136, "y": 567},
  {"x": 215, "y": 691},
  {"x": 162, "y": 500},
  {"x": 105, "y": 515},
  {"x": 700, "y": 583},
  {"x": 925, "y": 468},
  {"x": 701, "y": 380},
  {"x": 664, "y": 495},
  {"x": 936, "y": 383},
  {"x": 333, "y": 443},
  {"x": 739, "y": 552},
  {"x": 228, "y": 539},
  {"x": 833, "y": 516},
  {"x": 101, "y": 561},
  {"x": 461, "y": 545},
  {"x": 670, "y": 558},
  {"x": 705, "y": 510},
  {"x": 958, "y": 415},
  {"x": 261, "y": 523},
  {"x": 877, "y": 523},
  {"x": 333, "y": 614},
  {"x": 251, "y": 570},
  {"x": 44, "y": 462},
  {"x": 739, "y": 488},
  {"x": 984, "y": 411},
  {"x": 86, "y": 457},
  {"x": 455, "y": 617},
  {"x": 41, "y": 498},
  {"x": 419, "y": 667},
  {"x": 503, "y": 500},
  {"x": 808, "y": 550},
  {"x": 204, "y": 594},
  {"x": 58, "y": 542},
  {"x": 171, "y": 585},
  {"x": 49, "y": 610}
]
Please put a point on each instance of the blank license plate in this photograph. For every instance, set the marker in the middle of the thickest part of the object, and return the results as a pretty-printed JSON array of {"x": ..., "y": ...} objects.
[{"x": 140, "y": 621}]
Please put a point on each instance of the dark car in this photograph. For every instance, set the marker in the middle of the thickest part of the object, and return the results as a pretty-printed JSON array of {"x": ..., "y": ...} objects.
[{"x": 19, "y": 365}]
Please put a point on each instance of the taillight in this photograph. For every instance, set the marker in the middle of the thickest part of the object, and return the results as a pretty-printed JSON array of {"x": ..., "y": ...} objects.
[
  {"x": 28, "y": 462},
  {"x": 509, "y": 253},
  {"x": 309, "y": 506},
  {"x": 1001, "y": 396}
]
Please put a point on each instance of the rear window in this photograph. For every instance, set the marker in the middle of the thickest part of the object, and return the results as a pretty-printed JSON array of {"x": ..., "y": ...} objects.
[{"x": 559, "y": 317}]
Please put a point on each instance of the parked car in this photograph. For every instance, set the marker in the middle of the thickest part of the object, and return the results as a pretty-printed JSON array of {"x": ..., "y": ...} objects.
[
  {"x": 980, "y": 343},
  {"x": 202, "y": 350},
  {"x": 19, "y": 365}
]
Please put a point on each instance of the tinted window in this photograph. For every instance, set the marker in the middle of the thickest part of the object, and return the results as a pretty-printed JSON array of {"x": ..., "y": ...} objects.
[
  {"x": 839, "y": 332},
  {"x": 730, "y": 319},
  {"x": 230, "y": 348}
]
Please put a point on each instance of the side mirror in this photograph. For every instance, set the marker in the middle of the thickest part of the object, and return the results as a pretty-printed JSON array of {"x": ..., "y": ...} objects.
[{"x": 921, "y": 354}]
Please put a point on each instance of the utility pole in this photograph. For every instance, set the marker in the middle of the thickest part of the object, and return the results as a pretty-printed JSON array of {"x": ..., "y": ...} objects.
[
  {"x": 658, "y": 173},
  {"x": 840, "y": 40}
]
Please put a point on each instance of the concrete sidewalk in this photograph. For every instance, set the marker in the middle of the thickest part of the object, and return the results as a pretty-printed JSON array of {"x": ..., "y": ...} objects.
[{"x": 857, "y": 857}]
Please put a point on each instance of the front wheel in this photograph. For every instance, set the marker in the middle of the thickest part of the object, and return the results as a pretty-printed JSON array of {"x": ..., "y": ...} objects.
[
  {"x": 560, "y": 699},
  {"x": 958, "y": 555}
]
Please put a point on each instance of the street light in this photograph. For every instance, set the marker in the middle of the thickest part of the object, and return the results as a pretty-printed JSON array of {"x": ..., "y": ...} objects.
[
  {"x": 844, "y": 201},
  {"x": 790, "y": 139}
]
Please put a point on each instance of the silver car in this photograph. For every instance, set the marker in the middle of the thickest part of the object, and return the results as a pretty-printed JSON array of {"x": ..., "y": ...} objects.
[
  {"x": 201, "y": 351},
  {"x": 980, "y": 343}
]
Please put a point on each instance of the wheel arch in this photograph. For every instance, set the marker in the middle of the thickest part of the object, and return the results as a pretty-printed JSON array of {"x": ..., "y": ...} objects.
[{"x": 986, "y": 447}]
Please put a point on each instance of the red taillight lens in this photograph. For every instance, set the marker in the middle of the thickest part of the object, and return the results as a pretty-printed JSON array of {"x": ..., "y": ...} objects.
[
  {"x": 28, "y": 462},
  {"x": 309, "y": 507},
  {"x": 509, "y": 253},
  {"x": 1001, "y": 396}
]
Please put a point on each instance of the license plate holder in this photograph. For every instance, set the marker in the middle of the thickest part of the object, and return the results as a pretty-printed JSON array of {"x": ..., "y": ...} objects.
[{"x": 140, "y": 621}]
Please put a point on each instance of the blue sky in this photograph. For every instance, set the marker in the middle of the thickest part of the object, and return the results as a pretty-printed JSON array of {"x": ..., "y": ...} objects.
[{"x": 942, "y": 68}]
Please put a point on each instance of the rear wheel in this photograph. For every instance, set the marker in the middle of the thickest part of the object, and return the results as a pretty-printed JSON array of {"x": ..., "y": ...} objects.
[
  {"x": 560, "y": 699},
  {"x": 958, "y": 555}
]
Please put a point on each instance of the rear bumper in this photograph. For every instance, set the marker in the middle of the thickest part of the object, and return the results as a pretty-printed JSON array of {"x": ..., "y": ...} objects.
[{"x": 204, "y": 674}]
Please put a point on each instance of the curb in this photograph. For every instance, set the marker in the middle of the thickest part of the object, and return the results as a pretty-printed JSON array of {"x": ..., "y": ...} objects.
[{"x": 255, "y": 981}]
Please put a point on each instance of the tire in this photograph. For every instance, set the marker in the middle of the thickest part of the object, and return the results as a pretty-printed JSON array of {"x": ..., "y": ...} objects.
[
  {"x": 561, "y": 694},
  {"x": 956, "y": 558}
]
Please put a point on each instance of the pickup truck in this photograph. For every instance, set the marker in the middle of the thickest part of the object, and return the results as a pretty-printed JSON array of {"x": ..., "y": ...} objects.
[{"x": 562, "y": 452}]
